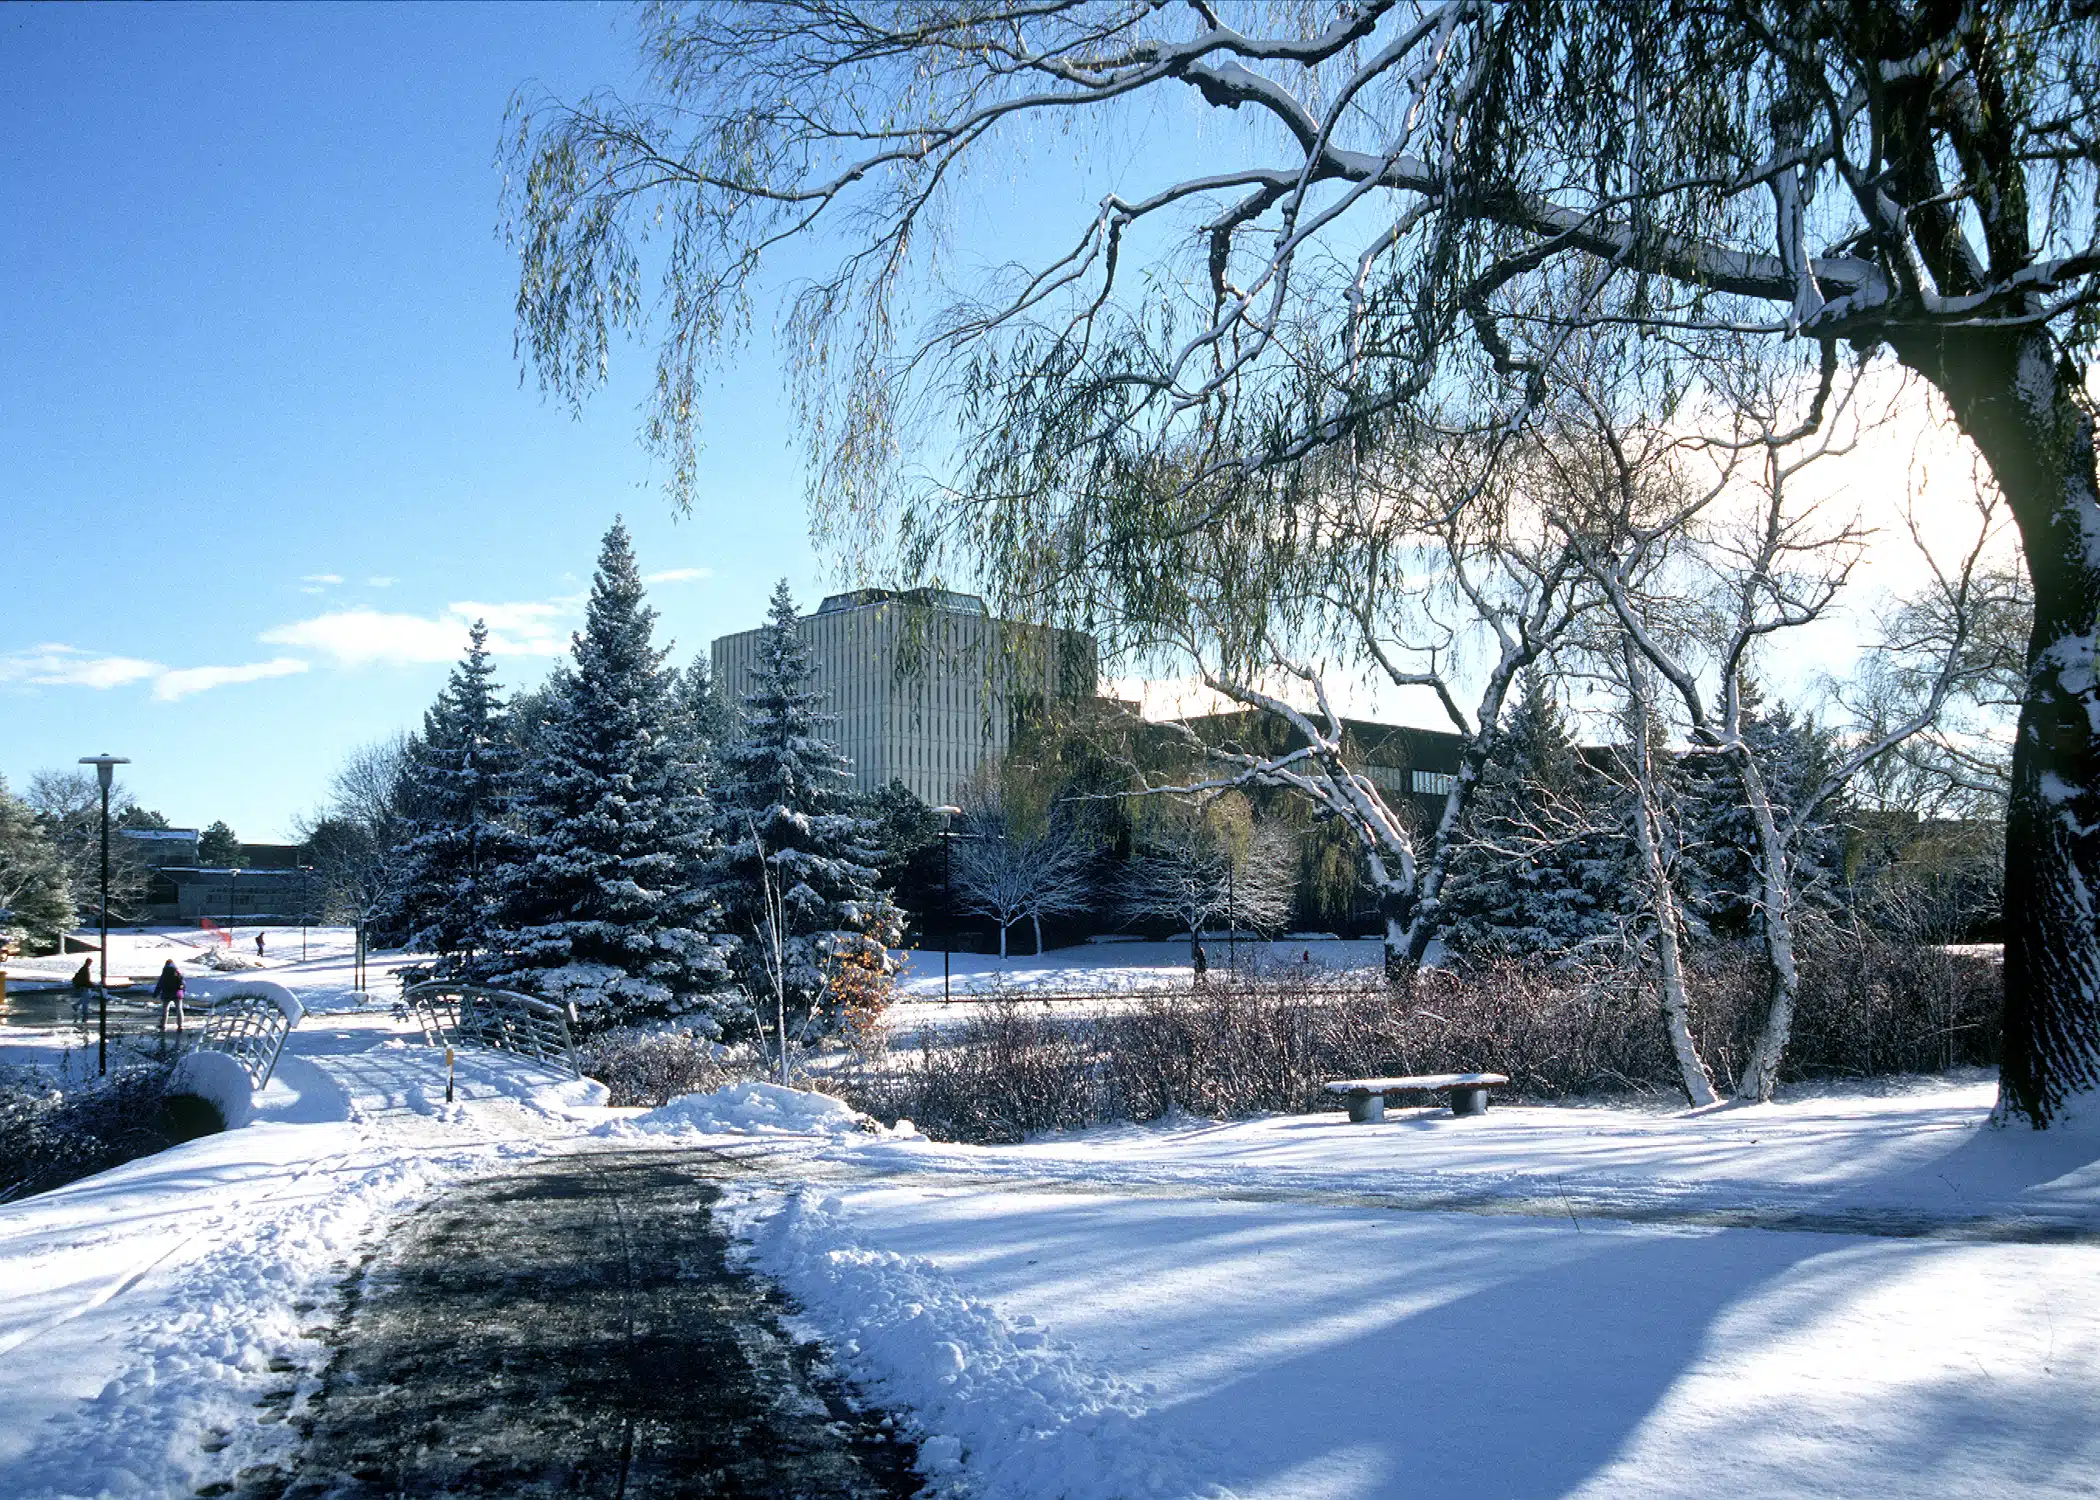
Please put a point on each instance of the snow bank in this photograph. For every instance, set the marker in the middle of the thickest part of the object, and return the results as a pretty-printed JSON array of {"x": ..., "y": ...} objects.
[
  {"x": 998, "y": 1408},
  {"x": 750, "y": 1109},
  {"x": 221, "y": 990},
  {"x": 218, "y": 1080},
  {"x": 227, "y": 959}
]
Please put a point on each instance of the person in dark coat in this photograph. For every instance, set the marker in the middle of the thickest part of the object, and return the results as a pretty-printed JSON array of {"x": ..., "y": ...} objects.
[
  {"x": 258, "y": 945},
  {"x": 168, "y": 991},
  {"x": 1202, "y": 964},
  {"x": 84, "y": 976}
]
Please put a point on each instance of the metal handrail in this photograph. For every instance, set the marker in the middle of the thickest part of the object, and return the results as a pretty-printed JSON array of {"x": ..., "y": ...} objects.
[
  {"x": 251, "y": 1029},
  {"x": 457, "y": 1013}
]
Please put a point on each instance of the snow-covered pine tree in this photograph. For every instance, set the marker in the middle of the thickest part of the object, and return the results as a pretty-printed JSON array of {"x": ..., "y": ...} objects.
[
  {"x": 707, "y": 718},
  {"x": 36, "y": 904},
  {"x": 461, "y": 836},
  {"x": 783, "y": 795},
  {"x": 1541, "y": 872},
  {"x": 1794, "y": 755},
  {"x": 607, "y": 909}
]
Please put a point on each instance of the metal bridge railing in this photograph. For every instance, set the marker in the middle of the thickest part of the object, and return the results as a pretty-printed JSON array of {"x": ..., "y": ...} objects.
[
  {"x": 251, "y": 1029},
  {"x": 477, "y": 1015}
]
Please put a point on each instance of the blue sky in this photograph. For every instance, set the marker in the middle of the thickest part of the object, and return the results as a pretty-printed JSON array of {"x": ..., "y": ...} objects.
[
  {"x": 264, "y": 449},
  {"x": 263, "y": 443}
]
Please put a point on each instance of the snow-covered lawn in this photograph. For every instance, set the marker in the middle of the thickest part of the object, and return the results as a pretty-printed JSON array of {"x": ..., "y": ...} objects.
[
  {"x": 1127, "y": 965},
  {"x": 1860, "y": 1290},
  {"x": 1252, "y": 1310}
]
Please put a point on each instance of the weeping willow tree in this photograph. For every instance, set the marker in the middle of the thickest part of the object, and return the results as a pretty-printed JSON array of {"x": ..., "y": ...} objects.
[{"x": 1360, "y": 239}]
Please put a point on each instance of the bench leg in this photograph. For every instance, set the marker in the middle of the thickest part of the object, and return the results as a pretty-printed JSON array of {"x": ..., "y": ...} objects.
[
  {"x": 1469, "y": 1101},
  {"x": 1365, "y": 1109}
]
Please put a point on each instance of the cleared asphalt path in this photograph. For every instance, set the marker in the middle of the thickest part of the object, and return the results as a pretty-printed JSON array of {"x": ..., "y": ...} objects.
[{"x": 572, "y": 1328}]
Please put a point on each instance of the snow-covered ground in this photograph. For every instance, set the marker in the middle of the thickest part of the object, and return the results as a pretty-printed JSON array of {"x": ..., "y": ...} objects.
[
  {"x": 1854, "y": 1291},
  {"x": 146, "y": 1311},
  {"x": 1126, "y": 965},
  {"x": 1540, "y": 1302},
  {"x": 1101, "y": 976}
]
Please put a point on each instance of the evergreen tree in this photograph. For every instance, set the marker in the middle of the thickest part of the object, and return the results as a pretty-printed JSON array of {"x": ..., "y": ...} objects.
[
  {"x": 36, "y": 903},
  {"x": 789, "y": 828},
  {"x": 1541, "y": 872},
  {"x": 911, "y": 869},
  {"x": 1794, "y": 755},
  {"x": 707, "y": 716},
  {"x": 607, "y": 909},
  {"x": 459, "y": 837},
  {"x": 218, "y": 848}
]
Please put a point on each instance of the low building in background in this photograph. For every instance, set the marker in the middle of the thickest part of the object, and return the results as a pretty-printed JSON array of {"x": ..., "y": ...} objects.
[
  {"x": 924, "y": 685},
  {"x": 1411, "y": 767},
  {"x": 268, "y": 888},
  {"x": 251, "y": 897}
]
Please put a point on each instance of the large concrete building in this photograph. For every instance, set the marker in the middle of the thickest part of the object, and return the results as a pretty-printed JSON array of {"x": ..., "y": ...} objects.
[{"x": 923, "y": 684}]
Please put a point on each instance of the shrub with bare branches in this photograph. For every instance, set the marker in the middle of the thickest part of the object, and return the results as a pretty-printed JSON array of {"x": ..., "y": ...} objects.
[{"x": 1019, "y": 1067}]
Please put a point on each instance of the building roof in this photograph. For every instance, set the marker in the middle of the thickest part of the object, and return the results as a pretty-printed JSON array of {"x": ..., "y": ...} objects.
[{"x": 929, "y": 598}]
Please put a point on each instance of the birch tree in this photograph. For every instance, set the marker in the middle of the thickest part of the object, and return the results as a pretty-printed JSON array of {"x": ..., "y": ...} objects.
[
  {"x": 1748, "y": 559},
  {"x": 1382, "y": 184},
  {"x": 1655, "y": 836}
]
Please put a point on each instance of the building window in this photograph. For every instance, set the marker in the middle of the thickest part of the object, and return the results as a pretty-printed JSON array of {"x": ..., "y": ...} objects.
[{"x": 1434, "y": 783}]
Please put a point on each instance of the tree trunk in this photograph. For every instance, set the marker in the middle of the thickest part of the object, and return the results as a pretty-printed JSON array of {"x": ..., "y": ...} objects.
[
  {"x": 1662, "y": 896},
  {"x": 1037, "y": 918},
  {"x": 2022, "y": 408},
  {"x": 1669, "y": 960},
  {"x": 1002, "y": 938},
  {"x": 1776, "y": 917}
]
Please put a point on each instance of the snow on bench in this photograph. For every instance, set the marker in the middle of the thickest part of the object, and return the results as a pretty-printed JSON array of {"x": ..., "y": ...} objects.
[{"x": 1468, "y": 1091}]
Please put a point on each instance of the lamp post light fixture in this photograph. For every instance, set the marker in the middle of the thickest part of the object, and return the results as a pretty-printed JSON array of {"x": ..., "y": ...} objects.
[
  {"x": 105, "y": 766},
  {"x": 947, "y": 894}
]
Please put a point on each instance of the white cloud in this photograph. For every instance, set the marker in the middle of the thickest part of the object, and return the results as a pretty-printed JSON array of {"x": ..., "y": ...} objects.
[
  {"x": 382, "y": 581},
  {"x": 322, "y": 578},
  {"x": 533, "y": 619},
  {"x": 356, "y": 637},
  {"x": 362, "y": 637},
  {"x": 54, "y": 665},
  {"x": 678, "y": 575},
  {"x": 183, "y": 681}
]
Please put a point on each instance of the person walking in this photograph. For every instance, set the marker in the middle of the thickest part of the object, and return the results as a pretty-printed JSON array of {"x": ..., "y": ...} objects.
[
  {"x": 168, "y": 991},
  {"x": 258, "y": 945},
  {"x": 84, "y": 976}
]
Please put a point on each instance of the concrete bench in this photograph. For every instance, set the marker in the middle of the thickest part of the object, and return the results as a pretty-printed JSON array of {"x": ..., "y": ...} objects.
[{"x": 1468, "y": 1092}]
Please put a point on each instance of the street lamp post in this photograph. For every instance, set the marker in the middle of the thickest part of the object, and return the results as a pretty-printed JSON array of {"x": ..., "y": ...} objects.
[
  {"x": 105, "y": 766},
  {"x": 947, "y": 894}
]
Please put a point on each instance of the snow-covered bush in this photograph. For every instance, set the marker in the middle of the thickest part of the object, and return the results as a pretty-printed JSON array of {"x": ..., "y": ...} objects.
[
  {"x": 651, "y": 1068},
  {"x": 51, "y": 1136}
]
